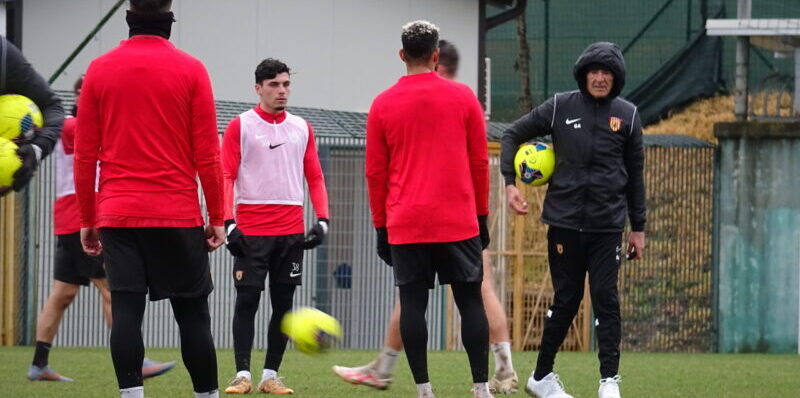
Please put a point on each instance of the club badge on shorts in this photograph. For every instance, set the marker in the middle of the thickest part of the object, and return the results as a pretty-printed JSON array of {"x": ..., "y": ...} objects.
[
  {"x": 614, "y": 123},
  {"x": 239, "y": 275},
  {"x": 560, "y": 248}
]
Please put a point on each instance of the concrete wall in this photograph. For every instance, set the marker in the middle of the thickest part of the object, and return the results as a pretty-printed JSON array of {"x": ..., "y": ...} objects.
[
  {"x": 757, "y": 228},
  {"x": 344, "y": 52}
]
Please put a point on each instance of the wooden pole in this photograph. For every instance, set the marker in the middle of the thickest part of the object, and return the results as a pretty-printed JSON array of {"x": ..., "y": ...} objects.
[{"x": 519, "y": 279}]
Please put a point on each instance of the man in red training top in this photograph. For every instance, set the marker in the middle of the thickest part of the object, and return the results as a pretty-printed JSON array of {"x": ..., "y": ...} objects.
[
  {"x": 378, "y": 373},
  {"x": 266, "y": 153},
  {"x": 431, "y": 223},
  {"x": 72, "y": 267},
  {"x": 148, "y": 116}
]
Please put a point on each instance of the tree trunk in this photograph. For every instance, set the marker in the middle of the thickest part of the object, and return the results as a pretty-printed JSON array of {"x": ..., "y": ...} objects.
[{"x": 522, "y": 65}]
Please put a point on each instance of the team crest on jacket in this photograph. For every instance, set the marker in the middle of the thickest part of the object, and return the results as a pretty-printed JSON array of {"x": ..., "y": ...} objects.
[
  {"x": 239, "y": 275},
  {"x": 560, "y": 248},
  {"x": 614, "y": 123}
]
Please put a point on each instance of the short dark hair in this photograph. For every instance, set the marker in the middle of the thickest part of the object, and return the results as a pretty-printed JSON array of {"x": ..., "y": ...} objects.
[
  {"x": 78, "y": 83},
  {"x": 269, "y": 68},
  {"x": 150, "y": 6},
  {"x": 448, "y": 55},
  {"x": 420, "y": 39}
]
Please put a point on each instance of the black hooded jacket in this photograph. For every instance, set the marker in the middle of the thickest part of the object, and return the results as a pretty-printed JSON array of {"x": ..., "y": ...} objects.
[
  {"x": 18, "y": 77},
  {"x": 598, "y": 178}
]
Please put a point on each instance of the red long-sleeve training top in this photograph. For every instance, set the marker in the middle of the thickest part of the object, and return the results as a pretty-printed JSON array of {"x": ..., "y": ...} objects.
[
  {"x": 147, "y": 113},
  {"x": 272, "y": 216},
  {"x": 427, "y": 164}
]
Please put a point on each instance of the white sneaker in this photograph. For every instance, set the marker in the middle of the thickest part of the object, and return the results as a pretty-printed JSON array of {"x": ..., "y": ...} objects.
[
  {"x": 548, "y": 387},
  {"x": 609, "y": 387},
  {"x": 366, "y": 375}
]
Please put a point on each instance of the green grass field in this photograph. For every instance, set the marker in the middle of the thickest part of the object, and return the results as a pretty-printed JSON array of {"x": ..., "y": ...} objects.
[{"x": 644, "y": 375}]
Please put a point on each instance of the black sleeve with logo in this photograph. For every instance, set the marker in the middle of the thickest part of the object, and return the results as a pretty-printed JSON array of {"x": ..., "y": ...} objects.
[{"x": 537, "y": 123}]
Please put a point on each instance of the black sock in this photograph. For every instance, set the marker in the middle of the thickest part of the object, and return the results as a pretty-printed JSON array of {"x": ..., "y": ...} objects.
[
  {"x": 197, "y": 344},
  {"x": 538, "y": 375},
  {"x": 474, "y": 328},
  {"x": 42, "y": 354},
  {"x": 127, "y": 347},
  {"x": 244, "y": 316},
  {"x": 281, "y": 296},
  {"x": 414, "y": 329}
]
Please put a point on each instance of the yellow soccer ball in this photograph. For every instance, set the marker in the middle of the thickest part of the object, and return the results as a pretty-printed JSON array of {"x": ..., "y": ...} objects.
[
  {"x": 535, "y": 163},
  {"x": 18, "y": 115},
  {"x": 311, "y": 330},
  {"x": 9, "y": 162}
]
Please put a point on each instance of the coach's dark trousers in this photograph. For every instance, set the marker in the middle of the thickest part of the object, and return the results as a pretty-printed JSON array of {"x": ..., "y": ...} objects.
[{"x": 572, "y": 254}]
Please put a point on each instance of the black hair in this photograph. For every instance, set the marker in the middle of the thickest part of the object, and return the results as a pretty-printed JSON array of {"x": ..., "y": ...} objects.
[
  {"x": 269, "y": 68},
  {"x": 78, "y": 83},
  {"x": 448, "y": 55},
  {"x": 150, "y": 7},
  {"x": 420, "y": 40}
]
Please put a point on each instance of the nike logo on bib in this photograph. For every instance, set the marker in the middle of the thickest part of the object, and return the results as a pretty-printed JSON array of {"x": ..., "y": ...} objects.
[
  {"x": 570, "y": 121},
  {"x": 275, "y": 146},
  {"x": 294, "y": 274}
]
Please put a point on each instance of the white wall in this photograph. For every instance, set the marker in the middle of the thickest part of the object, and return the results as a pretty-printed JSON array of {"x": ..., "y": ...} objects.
[
  {"x": 344, "y": 52},
  {"x": 2, "y": 18}
]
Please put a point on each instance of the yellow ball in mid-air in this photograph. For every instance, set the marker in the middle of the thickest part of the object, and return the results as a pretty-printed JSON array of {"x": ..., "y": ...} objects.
[
  {"x": 311, "y": 330},
  {"x": 18, "y": 116},
  {"x": 535, "y": 163},
  {"x": 9, "y": 162}
]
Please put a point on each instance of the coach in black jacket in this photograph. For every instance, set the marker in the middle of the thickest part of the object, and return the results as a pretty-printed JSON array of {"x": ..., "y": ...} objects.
[
  {"x": 18, "y": 77},
  {"x": 597, "y": 182}
]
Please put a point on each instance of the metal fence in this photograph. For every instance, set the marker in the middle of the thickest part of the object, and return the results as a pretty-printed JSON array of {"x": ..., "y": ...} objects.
[
  {"x": 666, "y": 299},
  {"x": 343, "y": 277}
]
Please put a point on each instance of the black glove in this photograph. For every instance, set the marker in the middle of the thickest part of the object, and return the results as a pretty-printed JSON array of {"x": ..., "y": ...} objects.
[
  {"x": 30, "y": 161},
  {"x": 234, "y": 238},
  {"x": 316, "y": 235},
  {"x": 483, "y": 227},
  {"x": 383, "y": 245}
]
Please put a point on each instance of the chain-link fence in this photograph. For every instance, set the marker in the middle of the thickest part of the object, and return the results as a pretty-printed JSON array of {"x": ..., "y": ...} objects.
[
  {"x": 666, "y": 299},
  {"x": 343, "y": 277}
]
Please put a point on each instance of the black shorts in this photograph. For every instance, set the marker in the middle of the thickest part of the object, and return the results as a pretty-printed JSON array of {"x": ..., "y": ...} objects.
[
  {"x": 281, "y": 256},
  {"x": 73, "y": 265},
  {"x": 454, "y": 262},
  {"x": 167, "y": 262}
]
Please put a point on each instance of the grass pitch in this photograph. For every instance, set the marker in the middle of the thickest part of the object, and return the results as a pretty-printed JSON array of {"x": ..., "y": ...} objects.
[{"x": 644, "y": 375}]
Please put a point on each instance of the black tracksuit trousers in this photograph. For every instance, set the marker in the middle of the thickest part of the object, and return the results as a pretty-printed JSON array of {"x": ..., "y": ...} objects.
[{"x": 572, "y": 254}]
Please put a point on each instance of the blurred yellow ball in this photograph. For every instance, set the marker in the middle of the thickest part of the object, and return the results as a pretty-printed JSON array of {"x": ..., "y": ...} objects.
[{"x": 311, "y": 330}]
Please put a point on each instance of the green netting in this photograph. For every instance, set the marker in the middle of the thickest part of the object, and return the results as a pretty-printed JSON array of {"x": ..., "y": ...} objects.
[{"x": 670, "y": 26}]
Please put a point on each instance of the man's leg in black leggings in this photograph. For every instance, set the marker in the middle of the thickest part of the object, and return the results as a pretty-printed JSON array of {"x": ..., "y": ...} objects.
[
  {"x": 127, "y": 347},
  {"x": 567, "y": 262},
  {"x": 414, "y": 329},
  {"x": 281, "y": 296},
  {"x": 197, "y": 344},
  {"x": 244, "y": 315},
  {"x": 474, "y": 328}
]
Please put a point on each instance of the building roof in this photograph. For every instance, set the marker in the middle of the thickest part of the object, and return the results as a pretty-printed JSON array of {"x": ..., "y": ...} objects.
[
  {"x": 326, "y": 123},
  {"x": 343, "y": 124}
]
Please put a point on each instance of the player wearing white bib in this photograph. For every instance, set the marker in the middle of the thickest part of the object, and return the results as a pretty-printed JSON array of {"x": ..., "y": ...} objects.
[{"x": 266, "y": 153}]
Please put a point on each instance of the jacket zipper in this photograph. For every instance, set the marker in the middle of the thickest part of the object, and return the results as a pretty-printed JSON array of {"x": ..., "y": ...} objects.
[{"x": 591, "y": 156}]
